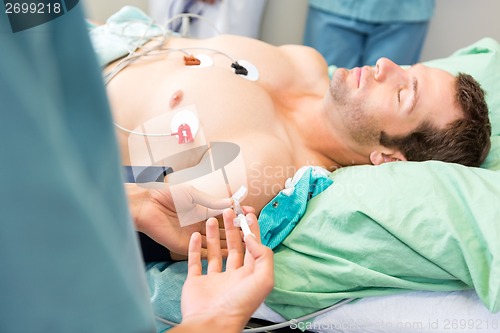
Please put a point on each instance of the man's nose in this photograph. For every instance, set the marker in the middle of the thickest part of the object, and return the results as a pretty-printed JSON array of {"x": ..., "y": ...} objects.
[{"x": 385, "y": 69}]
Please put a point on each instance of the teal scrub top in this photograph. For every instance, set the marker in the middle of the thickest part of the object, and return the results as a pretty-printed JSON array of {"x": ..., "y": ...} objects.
[
  {"x": 379, "y": 11},
  {"x": 69, "y": 257}
]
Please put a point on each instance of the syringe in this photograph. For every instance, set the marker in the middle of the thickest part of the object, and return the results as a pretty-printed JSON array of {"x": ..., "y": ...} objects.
[{"x": 241, "y": 220}]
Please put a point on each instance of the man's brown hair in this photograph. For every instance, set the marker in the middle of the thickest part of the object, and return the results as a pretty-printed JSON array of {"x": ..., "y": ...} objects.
[{"x": 465, "y": 141}]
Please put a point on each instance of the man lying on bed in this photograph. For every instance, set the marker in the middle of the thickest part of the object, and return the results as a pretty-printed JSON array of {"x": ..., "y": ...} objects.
[{"x": 293, "y": 115}]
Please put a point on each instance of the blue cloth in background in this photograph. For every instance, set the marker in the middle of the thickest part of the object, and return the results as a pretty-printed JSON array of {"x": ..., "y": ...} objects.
[
  {"x": 165, "y": 285},
  {"x": 347, "y": 42},
  {"x": 165, "y": 281},
  {"x": 378, "y": 11},
  {"x": 355, "y": 33}
]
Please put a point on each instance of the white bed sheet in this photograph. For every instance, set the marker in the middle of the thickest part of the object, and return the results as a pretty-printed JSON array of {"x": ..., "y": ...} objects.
[{"x": 413, "y": 312}]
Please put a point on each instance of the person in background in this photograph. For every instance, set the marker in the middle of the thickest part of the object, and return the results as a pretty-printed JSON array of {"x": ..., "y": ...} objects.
[
  {"x": 354, "y": 33},
  {"x": 242, "y": 17}
]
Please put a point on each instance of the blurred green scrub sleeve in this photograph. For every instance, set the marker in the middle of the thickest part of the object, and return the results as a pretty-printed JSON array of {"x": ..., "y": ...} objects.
[{"x": 69, "y": 257}]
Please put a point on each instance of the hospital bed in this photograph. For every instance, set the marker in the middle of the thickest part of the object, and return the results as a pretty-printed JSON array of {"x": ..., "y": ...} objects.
[{"x": 400, "y": 247}]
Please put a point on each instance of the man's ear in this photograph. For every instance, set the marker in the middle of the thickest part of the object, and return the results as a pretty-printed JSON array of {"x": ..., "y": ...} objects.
[{"x": 378, "y": 157}]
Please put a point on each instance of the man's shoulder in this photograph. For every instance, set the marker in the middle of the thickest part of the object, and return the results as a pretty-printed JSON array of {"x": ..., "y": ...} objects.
[{"x": 309, "y": 65}]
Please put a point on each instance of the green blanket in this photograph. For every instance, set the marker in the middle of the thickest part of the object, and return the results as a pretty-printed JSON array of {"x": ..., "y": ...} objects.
[{"x": 401, "y": 226}]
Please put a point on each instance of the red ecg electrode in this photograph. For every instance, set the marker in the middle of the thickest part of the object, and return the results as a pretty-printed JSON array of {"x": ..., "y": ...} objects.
[{"x": 184, "y": 134}]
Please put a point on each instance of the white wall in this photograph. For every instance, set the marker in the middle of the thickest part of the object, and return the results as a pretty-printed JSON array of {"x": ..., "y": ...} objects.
[
  {"x": 456, "y": 23},
  {"x": 100, "y": 10},
  {"x": 284, "y": 21}
]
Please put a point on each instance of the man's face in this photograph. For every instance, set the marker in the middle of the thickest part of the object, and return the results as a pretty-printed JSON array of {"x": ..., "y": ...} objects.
[{"x": 365, "y": 101}]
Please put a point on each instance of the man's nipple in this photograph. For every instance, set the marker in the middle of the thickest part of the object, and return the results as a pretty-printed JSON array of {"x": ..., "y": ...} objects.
[{"x": 176, "y": 99}]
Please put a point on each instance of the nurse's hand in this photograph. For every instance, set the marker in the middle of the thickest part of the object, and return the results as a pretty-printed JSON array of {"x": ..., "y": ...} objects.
[
  {"x": 234, "y": 294},
  {"x": 154, "y": 213},
  {"x": 193, "y": 205}
]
